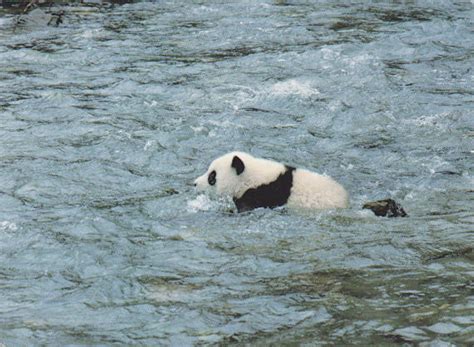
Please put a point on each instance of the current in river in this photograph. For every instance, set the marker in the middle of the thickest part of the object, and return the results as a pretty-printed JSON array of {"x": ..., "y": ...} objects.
[{"x": 107, "y": 118}]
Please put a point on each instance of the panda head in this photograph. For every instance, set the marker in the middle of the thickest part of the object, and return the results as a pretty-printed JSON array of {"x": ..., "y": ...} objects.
[
  {"x": 236, "y": 172},
  {"x": 225, "y": 176}
]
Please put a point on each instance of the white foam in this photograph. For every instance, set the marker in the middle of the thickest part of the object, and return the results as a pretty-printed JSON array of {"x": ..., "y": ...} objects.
[
  {"x": 198, "y": 129},
  {"x": 153, "y": 103},
  {"x": 362, "y": 59},
  {"x": 225, "y": 124},
  {"x": 437, "y": 121},
  {"x": 8, "y": 226},
  {"x": 92, "y": 33},
  {"x": 329, "y": 54},
  {"x": 294, "y": 87},
  {"x": 148, "y": 144},
  {"x": 200, "y": 203}
]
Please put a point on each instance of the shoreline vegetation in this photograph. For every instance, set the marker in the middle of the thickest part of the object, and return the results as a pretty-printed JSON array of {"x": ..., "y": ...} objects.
[
  {"x": 50, "y": 12},
  {"x": 24, "y": 4}
]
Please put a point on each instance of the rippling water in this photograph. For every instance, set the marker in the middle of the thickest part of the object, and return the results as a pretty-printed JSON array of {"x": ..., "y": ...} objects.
[{"x": 106, "y": 119}]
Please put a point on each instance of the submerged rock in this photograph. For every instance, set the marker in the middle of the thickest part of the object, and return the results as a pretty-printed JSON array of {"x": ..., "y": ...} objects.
[{"x": 386, "y": 208}]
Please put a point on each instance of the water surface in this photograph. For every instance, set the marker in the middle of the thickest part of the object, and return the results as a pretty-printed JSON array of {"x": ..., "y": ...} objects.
[{"x": 105, "y": 120}]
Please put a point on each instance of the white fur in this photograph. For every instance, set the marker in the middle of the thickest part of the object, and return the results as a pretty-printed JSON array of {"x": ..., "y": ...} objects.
[
  {"x": 310, "y": 190},
  {"x": 313, "y": 191}
]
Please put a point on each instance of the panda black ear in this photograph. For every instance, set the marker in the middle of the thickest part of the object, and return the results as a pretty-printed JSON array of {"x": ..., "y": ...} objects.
[{"x": 238, "y": 165}]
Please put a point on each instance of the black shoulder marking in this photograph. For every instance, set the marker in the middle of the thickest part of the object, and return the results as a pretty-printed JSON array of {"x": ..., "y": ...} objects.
[{"x": 271, "y": 195}]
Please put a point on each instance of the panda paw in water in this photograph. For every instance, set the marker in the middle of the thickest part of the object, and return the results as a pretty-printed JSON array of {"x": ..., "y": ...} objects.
[{"x": 386, "y": 208}]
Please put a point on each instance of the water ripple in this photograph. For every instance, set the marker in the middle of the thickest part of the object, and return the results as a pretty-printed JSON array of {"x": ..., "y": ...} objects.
[{"x": 108, "y": 118}]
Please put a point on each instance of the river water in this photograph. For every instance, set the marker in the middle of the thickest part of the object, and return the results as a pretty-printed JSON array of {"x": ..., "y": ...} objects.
[{"x": 106, "y": 119}]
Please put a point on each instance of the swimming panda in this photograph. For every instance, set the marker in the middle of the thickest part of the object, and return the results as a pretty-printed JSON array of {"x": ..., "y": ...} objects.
[{"x": 254, "y": 182}]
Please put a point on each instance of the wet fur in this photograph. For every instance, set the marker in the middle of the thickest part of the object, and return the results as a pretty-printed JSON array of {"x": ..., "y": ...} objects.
[{"x": 254, "y": 182}]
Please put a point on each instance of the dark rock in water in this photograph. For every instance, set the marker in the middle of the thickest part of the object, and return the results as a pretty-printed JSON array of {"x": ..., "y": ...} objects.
[
  {"x": 56, "y": 18},
  {"x": 170, "y": 191},
  {"x": 386, "y": 208}
]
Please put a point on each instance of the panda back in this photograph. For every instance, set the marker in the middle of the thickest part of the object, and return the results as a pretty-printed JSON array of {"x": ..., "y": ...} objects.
[{"x": 314, "y": 191}]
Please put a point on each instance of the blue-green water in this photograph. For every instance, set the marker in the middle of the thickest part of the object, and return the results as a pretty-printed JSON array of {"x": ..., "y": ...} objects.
[{"x": 106, "y": 119}]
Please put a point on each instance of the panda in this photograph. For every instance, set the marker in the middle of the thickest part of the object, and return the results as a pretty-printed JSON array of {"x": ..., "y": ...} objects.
[{"x": 254, "y": 182}]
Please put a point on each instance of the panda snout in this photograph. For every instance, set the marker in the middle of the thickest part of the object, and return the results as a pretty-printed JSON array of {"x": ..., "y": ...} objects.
[{"x": 200, "y": 183}]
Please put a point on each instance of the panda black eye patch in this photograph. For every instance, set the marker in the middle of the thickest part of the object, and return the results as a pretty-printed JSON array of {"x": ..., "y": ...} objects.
[{"x": 212, "y": 178}]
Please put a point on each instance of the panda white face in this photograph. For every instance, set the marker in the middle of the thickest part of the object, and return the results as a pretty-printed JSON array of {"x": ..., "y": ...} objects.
[{"x": 225, "y": 176}]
